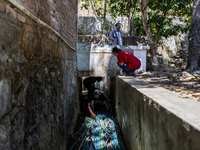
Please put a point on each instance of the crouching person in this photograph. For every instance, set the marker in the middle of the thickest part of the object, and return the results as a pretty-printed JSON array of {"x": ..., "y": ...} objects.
[
  {"x": 98, "y": 104},
  {"x": 127, "y": 61}
]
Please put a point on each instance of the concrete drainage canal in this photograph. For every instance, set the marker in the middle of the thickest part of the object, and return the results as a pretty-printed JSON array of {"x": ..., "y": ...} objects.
[
  {"x": 97, "y": 127},
  {"x": 148, "y": 118}
]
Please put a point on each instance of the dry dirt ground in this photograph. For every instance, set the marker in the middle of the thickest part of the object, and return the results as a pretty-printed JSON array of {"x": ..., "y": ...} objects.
[{"x": 186, "y": 84}]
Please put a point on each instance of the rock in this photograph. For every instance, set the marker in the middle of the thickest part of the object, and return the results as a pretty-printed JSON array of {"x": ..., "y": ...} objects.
[
  {"x": 5, "y": 97},
  {"x": 5, "y": 129},
  {"x": 186, "y": 75},
  {"x": 172, "y": 65}
]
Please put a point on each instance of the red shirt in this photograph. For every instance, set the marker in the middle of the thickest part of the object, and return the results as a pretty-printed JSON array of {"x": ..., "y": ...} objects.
[{"x": 126, "y": 57}]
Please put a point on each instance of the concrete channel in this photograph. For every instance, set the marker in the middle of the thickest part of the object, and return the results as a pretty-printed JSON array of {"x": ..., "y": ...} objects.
[
  {"x": 153, "y": 118},
  {"x": 39, "y": 86},
  {"x": 150, "y": 117}
]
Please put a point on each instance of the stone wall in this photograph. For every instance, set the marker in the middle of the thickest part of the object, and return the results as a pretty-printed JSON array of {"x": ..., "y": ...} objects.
[
  {"x": 153, "y": 118},
  {"x": 60, "y": 15},
  {"x": 38, "y": 77},
  {"x": 102, "y": 39},
  {"x": 91, "y": 25}
]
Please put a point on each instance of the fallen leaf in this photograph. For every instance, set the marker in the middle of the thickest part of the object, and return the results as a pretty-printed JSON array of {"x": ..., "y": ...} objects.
[
  {"x": 177, "y": 90},
  {"x": 196, "y": 95},
  {"x": 141, "y": 72}
]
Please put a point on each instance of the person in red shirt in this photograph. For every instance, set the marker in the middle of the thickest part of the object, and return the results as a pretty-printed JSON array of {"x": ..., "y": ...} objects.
[{"x": 127, "y": 61}]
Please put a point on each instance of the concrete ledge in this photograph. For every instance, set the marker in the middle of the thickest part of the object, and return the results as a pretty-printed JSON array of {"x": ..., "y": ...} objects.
[
  {"x": 153, "y": 118},
  {"x": 98, "y": 60}
]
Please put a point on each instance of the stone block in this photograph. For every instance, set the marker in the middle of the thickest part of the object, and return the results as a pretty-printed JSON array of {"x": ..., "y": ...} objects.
[
  {"x": 2, "y": 7},
  {"x": 11, "y": 11},
  {"x": 21, "y": 18},
  {"x": 5, "y": 130},
  {"x": 30, "y": 22},
  {"x": 54, "y": 37},
  {"x": 48, "y": 35},
  {"x": 5, "y": 97},
  {"x": 29, "y": 4}
]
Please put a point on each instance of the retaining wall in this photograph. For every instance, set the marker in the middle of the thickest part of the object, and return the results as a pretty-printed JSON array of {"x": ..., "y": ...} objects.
[
  {"x": 153, "y": 118},
  {"x": 91, "y": 25},
  {"x": 38, "y": 76}
]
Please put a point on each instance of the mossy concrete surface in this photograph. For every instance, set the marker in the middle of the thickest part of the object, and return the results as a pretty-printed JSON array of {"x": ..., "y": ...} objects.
[
  {"x": 38, "y": 84},
  {"x": 153, "y": 118}
]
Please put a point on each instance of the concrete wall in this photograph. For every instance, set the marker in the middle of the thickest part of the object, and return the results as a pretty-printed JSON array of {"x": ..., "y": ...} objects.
[
  {"x": 152, "y": 118},
  {"x": 98, "y": 60},
  {"x": 38, "y": 78}
]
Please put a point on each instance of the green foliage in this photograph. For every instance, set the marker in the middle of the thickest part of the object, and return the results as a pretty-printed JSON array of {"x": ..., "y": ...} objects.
[
  {"x": 196, "y": 77},
  {"x": 139, "y": 30},
  {"x": 188, "y": 70},
  {"x": 122, "y": 8},
  {"x": 95, "y": 4},
  {"x": 174, "y": 78},
  {"x": 81, "y": 31},
  {"x": 161, "y": 15},
  {"x": 171, "y": 77},
  {"x": 106, "y": 29}
]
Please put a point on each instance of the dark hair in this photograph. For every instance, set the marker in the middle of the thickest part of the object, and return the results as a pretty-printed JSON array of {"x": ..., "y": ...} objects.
[
  {"x": 98, "y": 79},
  {"x": 117, "y": 24},
  {"x": 116, "y": 50}
]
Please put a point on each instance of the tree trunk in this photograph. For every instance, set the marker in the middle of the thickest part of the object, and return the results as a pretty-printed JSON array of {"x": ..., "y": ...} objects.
[
  {"x": 129, "y": 23},
  {"x": 131, "y": 26},
  {"x": 194, "y": 38},
  {"x": 154, "y": 60},
  {"x": 104, "y": 15},
  {"x": 150, "y": 38}
]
